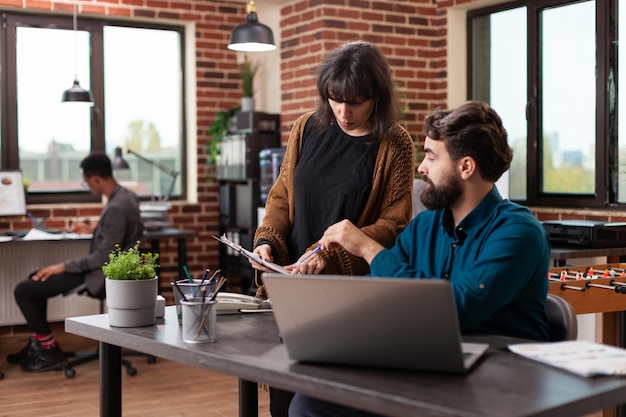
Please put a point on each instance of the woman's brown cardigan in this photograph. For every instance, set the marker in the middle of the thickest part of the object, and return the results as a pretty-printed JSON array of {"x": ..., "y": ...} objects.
[{"x": 387, "y": 210}]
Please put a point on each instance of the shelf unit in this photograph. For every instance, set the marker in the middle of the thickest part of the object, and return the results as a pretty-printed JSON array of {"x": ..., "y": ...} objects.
[{"x": 238, "y": 173}]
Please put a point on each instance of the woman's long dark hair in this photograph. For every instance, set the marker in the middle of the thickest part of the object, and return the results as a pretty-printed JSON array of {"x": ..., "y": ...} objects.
[{"x": 355, "y": 72}]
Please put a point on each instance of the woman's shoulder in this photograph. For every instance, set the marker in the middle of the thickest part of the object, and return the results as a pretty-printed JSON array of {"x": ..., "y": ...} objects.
[{"x": 304, "y": 118}]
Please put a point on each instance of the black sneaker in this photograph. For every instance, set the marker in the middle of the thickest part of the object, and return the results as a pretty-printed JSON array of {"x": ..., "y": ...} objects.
[
  {"x": 21, "y": 356},
  {"x": 41, "y": 360}
]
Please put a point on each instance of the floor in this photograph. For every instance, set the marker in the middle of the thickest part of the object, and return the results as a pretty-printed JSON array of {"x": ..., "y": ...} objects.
[{"x": 164, "y": 388}]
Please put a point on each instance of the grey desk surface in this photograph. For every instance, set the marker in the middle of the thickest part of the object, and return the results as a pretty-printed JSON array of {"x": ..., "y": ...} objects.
[{"x": 248, "y": 347}]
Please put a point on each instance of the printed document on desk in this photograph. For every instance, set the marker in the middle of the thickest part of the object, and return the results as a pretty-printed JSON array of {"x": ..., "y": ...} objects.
[
  {"x": 251, "y": 255},
  {"x": 577, "y": 356},
  {"x": 36, "y": 234}
]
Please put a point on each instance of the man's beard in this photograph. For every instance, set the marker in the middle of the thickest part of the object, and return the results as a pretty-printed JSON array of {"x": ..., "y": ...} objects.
[{"x": 441, "y": 196}]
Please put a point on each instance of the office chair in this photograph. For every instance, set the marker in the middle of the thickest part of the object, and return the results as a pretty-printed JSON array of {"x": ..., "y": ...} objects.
[
  {"x": 85, "y": 357},
  {"x": 561, "y": 319}
]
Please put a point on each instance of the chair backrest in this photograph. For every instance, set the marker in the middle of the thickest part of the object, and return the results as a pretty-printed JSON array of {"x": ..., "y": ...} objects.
[
  {"x": 561, "y": 319},
  {"x": 82, "y": 290}
]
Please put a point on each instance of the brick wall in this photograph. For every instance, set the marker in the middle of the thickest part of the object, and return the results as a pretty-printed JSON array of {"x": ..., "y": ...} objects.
[{"x": 412, "y": 35}]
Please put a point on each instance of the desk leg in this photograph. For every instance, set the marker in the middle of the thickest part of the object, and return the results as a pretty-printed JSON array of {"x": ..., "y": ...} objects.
[
  {"x": 248, "y": 399},
  {"x": 110, "y": 380}
]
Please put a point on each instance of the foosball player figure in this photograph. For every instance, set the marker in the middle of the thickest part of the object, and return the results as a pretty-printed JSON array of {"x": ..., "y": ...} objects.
[{"x": 563, "y": 275}]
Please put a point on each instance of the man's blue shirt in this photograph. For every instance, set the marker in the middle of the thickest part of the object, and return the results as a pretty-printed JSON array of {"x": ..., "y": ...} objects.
[{"x": 497, "y": 260}]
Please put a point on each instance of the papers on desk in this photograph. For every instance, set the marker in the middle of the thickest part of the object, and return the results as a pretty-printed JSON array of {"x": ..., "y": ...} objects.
[
  {"x": 577, "y": 356},
  {"x": 36, "y": 234}
]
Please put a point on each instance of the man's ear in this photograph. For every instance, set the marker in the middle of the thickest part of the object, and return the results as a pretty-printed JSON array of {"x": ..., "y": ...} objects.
[{"x": 467, "y": 167}]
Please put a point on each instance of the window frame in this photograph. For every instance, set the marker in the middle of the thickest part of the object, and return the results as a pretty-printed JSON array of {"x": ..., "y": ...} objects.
[
  {"x": 9, "y": 155},
  {"x": 605, "y": 194}
]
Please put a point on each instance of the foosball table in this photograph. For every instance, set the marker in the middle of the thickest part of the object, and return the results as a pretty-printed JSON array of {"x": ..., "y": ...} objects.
[{"x": 594, "y": 289}]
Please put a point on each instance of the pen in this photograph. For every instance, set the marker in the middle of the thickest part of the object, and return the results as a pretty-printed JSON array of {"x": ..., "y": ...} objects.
[
  {"x": 193, "y": 292},
  {"x": 313, "y": 252},
  {"x": 206, "y": 274}
]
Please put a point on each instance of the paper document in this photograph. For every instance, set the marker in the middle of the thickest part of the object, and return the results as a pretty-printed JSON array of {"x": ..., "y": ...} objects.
[
  {"x": 250, "y": 255},
  {"x": 36, "y": 234},
  {"x": 577, "y": 356}
]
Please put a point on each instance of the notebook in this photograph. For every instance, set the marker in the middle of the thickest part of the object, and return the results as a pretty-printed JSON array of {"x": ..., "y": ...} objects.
[{"x": 381, "y": 322}]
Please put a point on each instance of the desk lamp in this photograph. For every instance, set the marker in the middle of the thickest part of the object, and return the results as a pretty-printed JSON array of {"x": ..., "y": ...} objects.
[{"x": 119, "y": 163}]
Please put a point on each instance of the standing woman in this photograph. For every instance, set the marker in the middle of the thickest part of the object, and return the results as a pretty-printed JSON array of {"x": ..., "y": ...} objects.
[{"x": 350, "y": 159}]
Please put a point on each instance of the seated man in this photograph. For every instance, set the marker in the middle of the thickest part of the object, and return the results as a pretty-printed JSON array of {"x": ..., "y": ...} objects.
[
  {"x": 120, "y": 223},
  {"x": 494, "y": 252}
]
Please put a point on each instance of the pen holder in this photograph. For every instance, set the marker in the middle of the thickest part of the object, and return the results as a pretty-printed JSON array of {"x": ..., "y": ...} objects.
[
  {"x": 190, "y": 290},
  {"x": 199, "y": 320}
]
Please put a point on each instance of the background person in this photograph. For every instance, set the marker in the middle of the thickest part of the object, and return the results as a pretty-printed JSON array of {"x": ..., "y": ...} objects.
[
  {"x": 349, "y": 159},
  {"x": 495, "y": 253},
  {"x": 120, "y": 223}
]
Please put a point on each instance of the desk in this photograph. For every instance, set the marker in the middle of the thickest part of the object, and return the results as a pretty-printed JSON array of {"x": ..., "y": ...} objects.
[
  {"x": 560, "y": 255},
  {"x": 248, "y": 347},
  {"x": 155, "y": 236},
  {"x": 20, "y": 257}
]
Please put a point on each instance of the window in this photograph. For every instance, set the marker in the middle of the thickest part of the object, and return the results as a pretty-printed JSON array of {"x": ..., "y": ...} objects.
[
  {"x": 559, "y": 112},
  {"x": 136, "y": 75}
]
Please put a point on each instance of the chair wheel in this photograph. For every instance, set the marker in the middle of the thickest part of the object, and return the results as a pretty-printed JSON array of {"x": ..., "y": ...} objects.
[
  {"x": 130, "y": 371},
  {"x": 70, "y": 373},
  {"x": 151, "y": 359}
]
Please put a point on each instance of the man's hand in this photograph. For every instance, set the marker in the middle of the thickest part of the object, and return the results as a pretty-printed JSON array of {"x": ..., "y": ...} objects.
[
  {"x": 346, "y": 235},
  {"x": 44, "y": 273},
  {"x": 81, "y": 227}
]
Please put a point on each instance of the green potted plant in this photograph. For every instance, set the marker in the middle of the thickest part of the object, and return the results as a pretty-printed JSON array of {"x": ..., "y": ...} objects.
[
  {"x": 218, "y": 129},
  {"x": 131, "y": 285},
  {"x": 247, "y": 71}
]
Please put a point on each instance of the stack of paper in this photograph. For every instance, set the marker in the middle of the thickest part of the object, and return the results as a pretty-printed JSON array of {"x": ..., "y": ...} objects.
[{"x": 577, "y": 356}]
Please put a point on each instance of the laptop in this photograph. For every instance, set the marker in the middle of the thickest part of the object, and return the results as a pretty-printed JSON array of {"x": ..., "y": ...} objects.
[{"x": 380, "y": 322}]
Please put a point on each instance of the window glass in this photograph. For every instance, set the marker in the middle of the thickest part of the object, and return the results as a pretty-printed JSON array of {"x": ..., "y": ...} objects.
[
  {"x": 499, "y": 43},
  {"x": 143, "y": 106},
  {"x": 568, "y": 62},
  {"x": 53, "y": 136}
]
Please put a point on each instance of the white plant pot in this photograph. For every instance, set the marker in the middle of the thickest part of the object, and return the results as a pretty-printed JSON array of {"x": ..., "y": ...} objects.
[
  {"x": 131, "y": 303},
  {"x": 247, "y": 104}
]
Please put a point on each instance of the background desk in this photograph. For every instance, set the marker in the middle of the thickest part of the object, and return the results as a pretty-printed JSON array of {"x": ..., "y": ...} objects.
[
  {"x": 248, "y": 347},
  {"x": 18, "y": 258},
  {"x": 561, "y": 255},
  {"x": 155, "y": 237}
]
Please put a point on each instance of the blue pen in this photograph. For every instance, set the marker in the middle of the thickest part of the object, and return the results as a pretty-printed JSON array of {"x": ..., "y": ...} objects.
[
  {"x": 313, "y": 252},
  {"x": 206, "y": 274}
]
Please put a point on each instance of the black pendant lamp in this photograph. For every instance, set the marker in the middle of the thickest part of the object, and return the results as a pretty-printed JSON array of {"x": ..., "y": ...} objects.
[
  {"x": 76, "y": 94},
  {"x": 252, "y": 36}
]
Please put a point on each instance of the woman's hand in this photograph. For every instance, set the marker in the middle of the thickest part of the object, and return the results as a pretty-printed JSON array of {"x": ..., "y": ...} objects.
[
  {"x": 264, "y": 252},
  {"x": 306, "y": 264}
]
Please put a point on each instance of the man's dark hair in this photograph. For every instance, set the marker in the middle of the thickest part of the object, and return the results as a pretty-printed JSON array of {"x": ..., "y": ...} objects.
[
  {"x": 97, "y": 163},
  {"x": 473, "y": 129}
]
